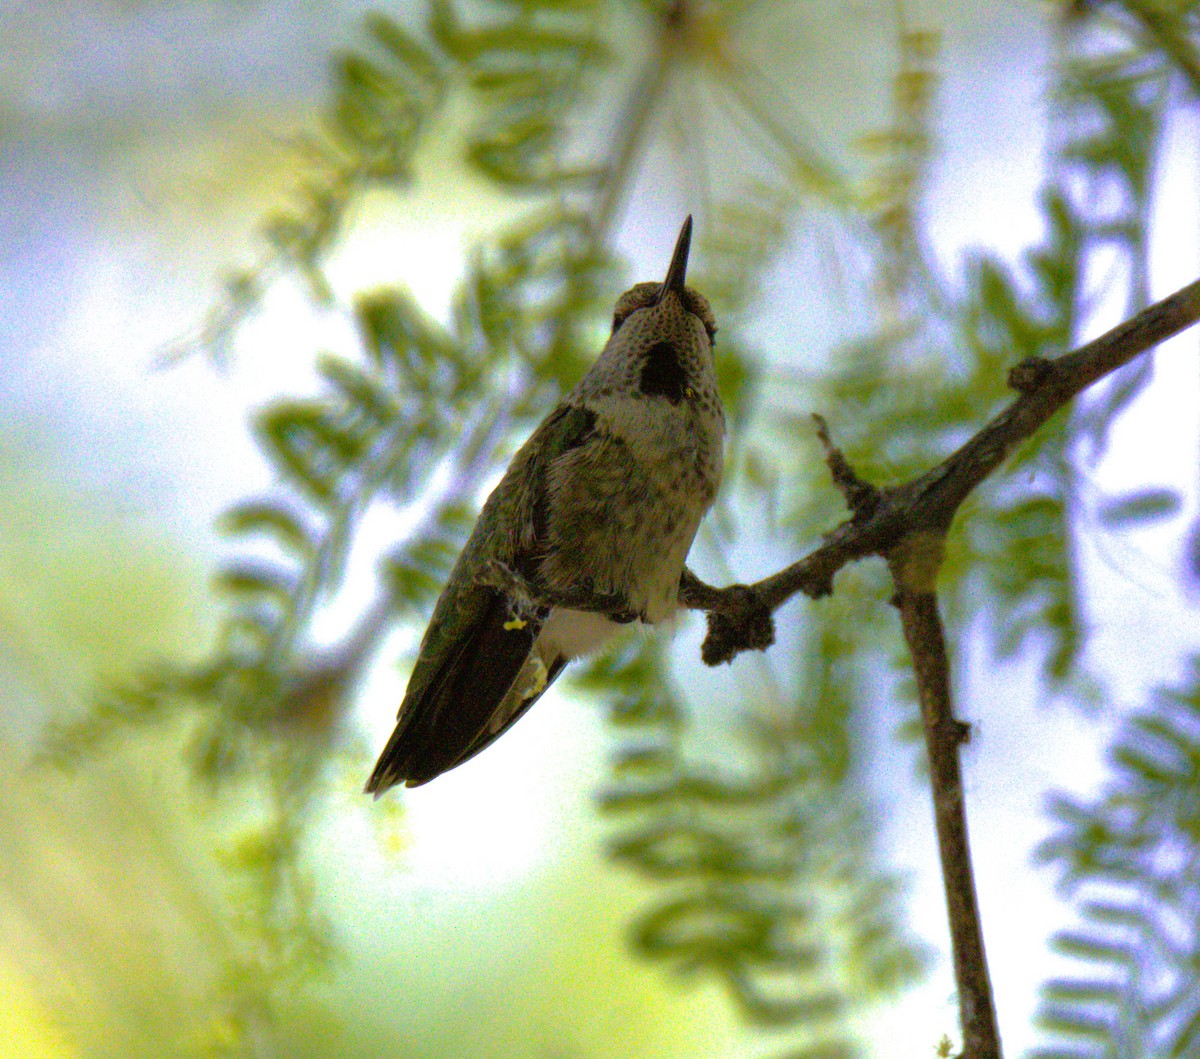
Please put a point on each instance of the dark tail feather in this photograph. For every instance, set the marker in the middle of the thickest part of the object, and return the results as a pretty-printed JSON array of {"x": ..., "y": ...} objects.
[
  {"x": 486, "y": 738},
  {"x": 449, "y": 721}
]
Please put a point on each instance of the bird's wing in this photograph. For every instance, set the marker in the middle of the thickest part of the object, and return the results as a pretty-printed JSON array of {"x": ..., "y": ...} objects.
[
  {"x": 569, "y": 427},
  {"x": 476, "y": 643}
]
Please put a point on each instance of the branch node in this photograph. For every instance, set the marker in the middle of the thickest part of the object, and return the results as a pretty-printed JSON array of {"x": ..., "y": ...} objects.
[
  {"x": 960, "y": 731},
  {"x": 915, "y": 562},
  {"x": 744, "y": 623},
  {"x": 1031, "y": 374},
  {"x": 860, "y": 495},
  {"x": 818, "y": 587}
]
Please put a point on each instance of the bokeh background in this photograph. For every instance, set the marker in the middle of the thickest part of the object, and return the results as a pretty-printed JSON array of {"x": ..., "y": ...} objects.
[{"x": 323, "y": 266}]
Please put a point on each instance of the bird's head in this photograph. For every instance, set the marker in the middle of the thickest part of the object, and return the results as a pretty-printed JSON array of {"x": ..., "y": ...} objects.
[{"x": 662, "y": 333}]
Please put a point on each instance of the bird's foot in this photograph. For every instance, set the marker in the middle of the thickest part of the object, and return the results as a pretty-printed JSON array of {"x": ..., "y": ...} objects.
[{"x": 530, "y": 599}]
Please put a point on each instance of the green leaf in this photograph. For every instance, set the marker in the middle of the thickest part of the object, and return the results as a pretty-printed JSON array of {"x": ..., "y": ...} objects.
[
  {"x": 257, "y": 578},
  {"x": 275, "y": 518},
  {"x": 300, "y": 438},
  {"x": 1146, "y": 505},
  {"x": 399, "y": 336},
  {"x": 363, "y": 391},
  {"x": 1130, "y": 851},
  {"x": 413, "y": 57}
]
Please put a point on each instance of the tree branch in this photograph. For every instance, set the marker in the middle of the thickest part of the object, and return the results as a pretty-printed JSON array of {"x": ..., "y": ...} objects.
[
  {"x": 907, "y": 525},
  {"x": 914, "y": 568},
  {"x": 739, "y": 617}
]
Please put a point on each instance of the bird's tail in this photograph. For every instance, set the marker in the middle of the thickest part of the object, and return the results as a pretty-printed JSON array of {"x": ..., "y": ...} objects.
[{"x": 463, "y": 706}]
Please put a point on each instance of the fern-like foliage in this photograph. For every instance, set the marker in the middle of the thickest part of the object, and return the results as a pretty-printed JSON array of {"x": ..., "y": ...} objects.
[
  {"x": 1112, "y": 97},
  {"x": 1130, "y": 858},
  {"x": 1020, "y": 537},
  {"x": 763, "y": 864},
  {"x": 418, "y": 419},
  {"x": 264, "y": 708},
  {"x": 1013, "y": 552},
  {"x": 519, "y": 71},
  {"x": 761, "y": 872}
]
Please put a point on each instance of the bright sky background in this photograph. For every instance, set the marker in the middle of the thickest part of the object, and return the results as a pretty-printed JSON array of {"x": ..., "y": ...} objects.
[{"x": 130, "y": 126}]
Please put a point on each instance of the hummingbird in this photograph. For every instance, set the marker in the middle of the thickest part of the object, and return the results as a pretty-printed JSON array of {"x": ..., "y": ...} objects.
[{"x": 587, "y": 532}]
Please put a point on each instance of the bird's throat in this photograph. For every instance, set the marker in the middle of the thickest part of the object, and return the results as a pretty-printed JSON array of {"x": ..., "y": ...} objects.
[{"x": 663, "y": 374}]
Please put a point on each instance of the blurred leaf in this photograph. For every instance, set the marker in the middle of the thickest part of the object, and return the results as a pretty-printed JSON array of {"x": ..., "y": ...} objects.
[
  {"x": 1130, "y": 856},
  {"x": 274, "y": 518},
  {"x": 1147, "y": 505}
]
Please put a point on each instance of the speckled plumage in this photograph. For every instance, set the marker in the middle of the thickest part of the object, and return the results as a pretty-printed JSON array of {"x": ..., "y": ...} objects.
[{"x": 587, "y": 531}]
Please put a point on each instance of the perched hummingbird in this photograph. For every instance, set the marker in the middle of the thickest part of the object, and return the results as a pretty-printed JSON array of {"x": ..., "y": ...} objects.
[{"x": 587, "y": 531}]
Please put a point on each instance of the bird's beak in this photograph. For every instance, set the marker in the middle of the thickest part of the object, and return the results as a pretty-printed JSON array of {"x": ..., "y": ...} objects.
[{"x": 678, "y": 269}]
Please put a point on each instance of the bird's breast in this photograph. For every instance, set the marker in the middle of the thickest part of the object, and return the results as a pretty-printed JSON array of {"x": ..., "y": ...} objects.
[
  {"x": 629, "y": 506},
  {"x": 679, "y": 446}
]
